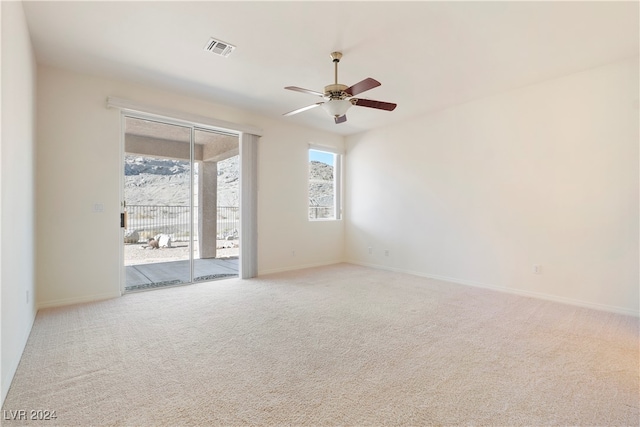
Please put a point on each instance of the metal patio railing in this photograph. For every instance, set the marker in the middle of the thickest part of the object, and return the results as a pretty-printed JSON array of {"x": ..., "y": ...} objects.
[
  {"x": 320, "y": 212},
  {"x": 151, "y": 220}
]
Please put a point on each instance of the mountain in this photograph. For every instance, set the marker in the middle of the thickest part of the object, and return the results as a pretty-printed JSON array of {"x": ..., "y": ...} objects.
[
  {"x": 150, "y": 181},
  {"x": 320, "y": 184},
  {"x": 166, "y": 182}
]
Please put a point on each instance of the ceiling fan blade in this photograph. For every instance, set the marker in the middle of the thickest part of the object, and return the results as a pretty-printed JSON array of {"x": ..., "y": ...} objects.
[
  {"x": 341, "y": 119},
  {"x": 362, "y": 86},
  {"x": 309, "y": 91},
  {"x": 300, "y": 110},
  {"x": 380, "y": 105}
]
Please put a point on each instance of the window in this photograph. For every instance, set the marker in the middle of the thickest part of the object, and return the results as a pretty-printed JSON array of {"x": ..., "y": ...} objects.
[{"x": 324, "y": 184}]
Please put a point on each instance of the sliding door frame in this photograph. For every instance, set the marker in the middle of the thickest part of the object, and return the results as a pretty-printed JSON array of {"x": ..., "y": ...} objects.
[
  {"x": 161, "y": 121},
  {"x": 247, "y": 138}
]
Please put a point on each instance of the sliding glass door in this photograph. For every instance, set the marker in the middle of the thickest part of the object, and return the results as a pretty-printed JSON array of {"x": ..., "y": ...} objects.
[
  {"x": 181, "y": 225},
  {"x": 216, "y": 205},
  {"x": 158, "y": 193}
]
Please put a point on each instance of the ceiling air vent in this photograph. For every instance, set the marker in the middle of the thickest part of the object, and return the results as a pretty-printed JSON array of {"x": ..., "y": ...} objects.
[{"x": 219, "y": 48}]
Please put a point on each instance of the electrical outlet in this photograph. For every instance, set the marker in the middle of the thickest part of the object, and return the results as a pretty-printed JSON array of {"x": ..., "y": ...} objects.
[
  {"x": 293, "y": 252},
  {"x": 537, "y": 269},
  {"x": 386, "y": 252},
  {"x": 370, "y": 250}
]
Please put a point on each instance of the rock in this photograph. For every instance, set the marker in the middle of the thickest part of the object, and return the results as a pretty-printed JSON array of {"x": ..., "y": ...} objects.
[
  {"x": 164, "y": 240},
  {"x": 131, "y": 236}
]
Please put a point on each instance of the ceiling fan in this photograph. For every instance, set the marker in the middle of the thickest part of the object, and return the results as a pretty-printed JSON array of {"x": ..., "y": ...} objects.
[{"x": 338, "y": 98}]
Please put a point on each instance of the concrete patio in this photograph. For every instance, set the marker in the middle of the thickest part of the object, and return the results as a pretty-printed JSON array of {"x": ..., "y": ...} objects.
[{"x": 155, "y": 275}]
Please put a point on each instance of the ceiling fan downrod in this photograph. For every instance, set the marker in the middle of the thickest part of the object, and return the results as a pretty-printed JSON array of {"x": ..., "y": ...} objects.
[
  {"x": 335, "y": 91},
  {"x": 335, "y": 57}
]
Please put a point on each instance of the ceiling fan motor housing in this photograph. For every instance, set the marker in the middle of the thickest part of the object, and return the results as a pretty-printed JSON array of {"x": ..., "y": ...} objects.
[{"x": 336, "y": 91}]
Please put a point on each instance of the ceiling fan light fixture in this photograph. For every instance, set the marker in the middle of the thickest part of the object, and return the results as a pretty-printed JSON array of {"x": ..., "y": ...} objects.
[{"x": 337, "y": 107}]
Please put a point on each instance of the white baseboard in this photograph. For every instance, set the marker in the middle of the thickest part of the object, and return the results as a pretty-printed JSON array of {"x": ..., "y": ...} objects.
[
  {"x": 298, "y": 267},
  {"x": 77, "y": 300},
  {"x": 521, "y": 292}
]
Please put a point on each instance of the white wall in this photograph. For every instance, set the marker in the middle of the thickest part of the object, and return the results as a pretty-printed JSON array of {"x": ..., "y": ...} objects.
[
  {"x": 479, "y": 193},
  {"x": 17, "y": 181},
  {"x": 284, "y": 228},
  {"x": 78, "y": 164}
]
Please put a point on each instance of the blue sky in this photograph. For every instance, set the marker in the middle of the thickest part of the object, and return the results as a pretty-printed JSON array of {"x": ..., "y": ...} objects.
[{"x": 321, "y": 156}]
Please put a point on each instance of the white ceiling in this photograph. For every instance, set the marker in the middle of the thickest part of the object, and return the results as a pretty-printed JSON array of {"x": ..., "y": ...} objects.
[{"x": 427, "y": 55}]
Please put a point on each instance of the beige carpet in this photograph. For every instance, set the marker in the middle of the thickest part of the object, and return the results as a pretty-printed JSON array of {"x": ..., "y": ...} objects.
[{"x": 337, "y": 345}]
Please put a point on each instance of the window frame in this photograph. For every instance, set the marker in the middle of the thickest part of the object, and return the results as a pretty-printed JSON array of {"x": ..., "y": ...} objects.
[{"x": 337, "y": 181}]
